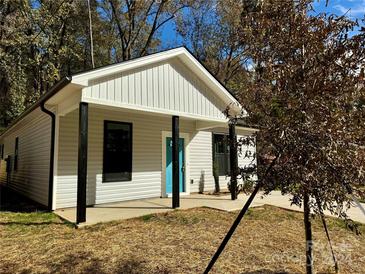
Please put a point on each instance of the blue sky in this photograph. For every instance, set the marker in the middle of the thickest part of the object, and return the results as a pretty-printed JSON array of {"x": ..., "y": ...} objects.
[{"x": 355, "y": 9}]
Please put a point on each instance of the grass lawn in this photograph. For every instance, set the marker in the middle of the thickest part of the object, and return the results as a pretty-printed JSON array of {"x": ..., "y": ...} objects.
[{"x": 269, "y": 240}]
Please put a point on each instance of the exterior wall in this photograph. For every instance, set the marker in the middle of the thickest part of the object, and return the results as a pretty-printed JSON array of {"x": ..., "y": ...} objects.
[
  {"x": 201, "y": 159},
  {"x": 147, "y": 158},
  {"x": 2, "y": 171},
  {"x": 162, "y": 87},
  {"x": 31, "y": 177},
  {"x": 67, "y": 151},
  {"x": 242, "y": 162}
]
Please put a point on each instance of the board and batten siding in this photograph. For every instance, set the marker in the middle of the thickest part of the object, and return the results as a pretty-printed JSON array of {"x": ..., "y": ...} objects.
[
  {"x": 146, "y": 157},
  {"x": 162, "y": 87},
  {"x": 32, "y": 176}
]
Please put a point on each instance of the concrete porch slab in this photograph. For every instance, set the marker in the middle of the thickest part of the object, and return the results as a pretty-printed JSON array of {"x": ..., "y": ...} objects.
[{"x": 137, "y": 208}]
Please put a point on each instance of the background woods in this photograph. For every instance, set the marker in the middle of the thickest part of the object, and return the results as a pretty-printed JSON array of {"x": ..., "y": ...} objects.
[
  {"x": 43, "y": 40},
  {"x": 298, "y": 72}
]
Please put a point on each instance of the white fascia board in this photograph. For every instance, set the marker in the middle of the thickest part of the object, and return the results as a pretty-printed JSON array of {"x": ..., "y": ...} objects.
[
  {"x": 84, "y": 77},
  {"x": 205, "y": 125},
  {"x": 184, "y": 55}
]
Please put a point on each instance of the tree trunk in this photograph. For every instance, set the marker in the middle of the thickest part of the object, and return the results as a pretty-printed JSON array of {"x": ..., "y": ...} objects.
[
  {"x": 308, "y": 235},
  {"x": 91, "y": 35}
]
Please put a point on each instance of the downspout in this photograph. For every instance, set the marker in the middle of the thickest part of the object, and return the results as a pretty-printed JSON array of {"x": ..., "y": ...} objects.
[
  {"x": 57, "y": 87},
  {"x": 51, "y": 160}
]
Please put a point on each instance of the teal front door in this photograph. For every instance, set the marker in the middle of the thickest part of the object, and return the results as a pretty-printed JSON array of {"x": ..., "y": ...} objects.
[{"x": 169, "y": 165}]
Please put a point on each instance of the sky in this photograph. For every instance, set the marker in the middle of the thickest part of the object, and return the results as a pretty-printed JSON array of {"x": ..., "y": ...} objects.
[{"x": 355, "y": 9}]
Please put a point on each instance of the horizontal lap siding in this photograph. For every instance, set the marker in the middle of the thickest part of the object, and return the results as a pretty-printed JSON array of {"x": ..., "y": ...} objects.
[
  {"x": 201, "y": 168},
  {"x": 242, "y": 162},
  {"x": 2, "y": 171},
  {"x": 147, "y": 157},
  {"x": 164, "y": 86},
  {"x": 31, "y": 177},
  {"x": 66, "y": 180}
]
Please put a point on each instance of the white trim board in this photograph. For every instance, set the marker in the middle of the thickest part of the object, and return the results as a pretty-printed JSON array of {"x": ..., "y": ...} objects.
[{"x": 158, "y": 111}]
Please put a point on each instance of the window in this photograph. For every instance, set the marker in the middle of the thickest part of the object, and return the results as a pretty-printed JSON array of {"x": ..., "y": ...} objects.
[
  {"x": 117, "y": 162},
  {"x": 221, "y": 153},
  {"x": 16, "y": 154}
]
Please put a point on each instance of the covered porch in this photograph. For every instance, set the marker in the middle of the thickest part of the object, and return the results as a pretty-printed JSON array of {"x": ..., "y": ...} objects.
[
  {"x": 160, "y": 168},
  {"x": 139, "y": 129}
]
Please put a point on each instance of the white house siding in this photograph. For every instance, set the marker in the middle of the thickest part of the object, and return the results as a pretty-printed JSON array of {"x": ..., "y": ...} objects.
[
  {"x": 31, "y": 177},
  {"x": 147, "y": 157},
  {"x": 242, "y": 162},
  {"x": 161, "y": 87},
  {"x": 2, "y": 171},
  {"x": 66, "y": 180},
  {"x": 201, "y": 158}
]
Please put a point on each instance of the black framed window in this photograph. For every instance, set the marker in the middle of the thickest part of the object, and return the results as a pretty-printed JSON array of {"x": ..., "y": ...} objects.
[
  {"x": 117, "y": 160},
  {"x": 16, "y": 151},
  {"x": 221, "y": 153}
]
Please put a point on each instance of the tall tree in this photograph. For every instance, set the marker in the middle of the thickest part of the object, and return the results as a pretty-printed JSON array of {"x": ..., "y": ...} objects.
[
  {"x": 40, "y": 42},
  {"x": 135, "y": 24},
  {"x": 211, "y": 30},
  {"x": 307, "y": 93}
]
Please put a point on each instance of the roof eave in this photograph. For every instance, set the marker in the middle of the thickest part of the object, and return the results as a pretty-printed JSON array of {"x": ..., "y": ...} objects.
[{"x": 57, "y": 87}]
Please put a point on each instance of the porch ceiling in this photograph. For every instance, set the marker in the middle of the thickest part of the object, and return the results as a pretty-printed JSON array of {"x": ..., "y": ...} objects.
[{"x": 66, "y": 100}]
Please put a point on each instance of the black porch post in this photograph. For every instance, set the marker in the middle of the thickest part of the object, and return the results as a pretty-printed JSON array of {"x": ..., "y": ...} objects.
[
  {"x": 233, "y": 159},
  {"x": 175, "y": 163},
  {"x": 82, "y": 163}
]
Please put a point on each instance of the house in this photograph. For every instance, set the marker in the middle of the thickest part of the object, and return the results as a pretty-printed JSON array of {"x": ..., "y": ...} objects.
[{"x": 126, "y": 131}]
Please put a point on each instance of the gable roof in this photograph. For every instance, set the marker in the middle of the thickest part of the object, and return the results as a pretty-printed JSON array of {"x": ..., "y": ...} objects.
[{"x": 182, "y": 53}]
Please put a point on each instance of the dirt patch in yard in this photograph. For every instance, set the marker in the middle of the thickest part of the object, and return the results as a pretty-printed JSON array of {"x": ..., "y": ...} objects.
[
  {"x": 269, "y": 240},
  {"x": 14, "y": 202}
]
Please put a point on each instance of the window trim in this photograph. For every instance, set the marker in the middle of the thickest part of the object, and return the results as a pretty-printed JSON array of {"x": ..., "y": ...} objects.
[
  {"x": 16, "y": 153},
  {"x": 104, "y": 149}
]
